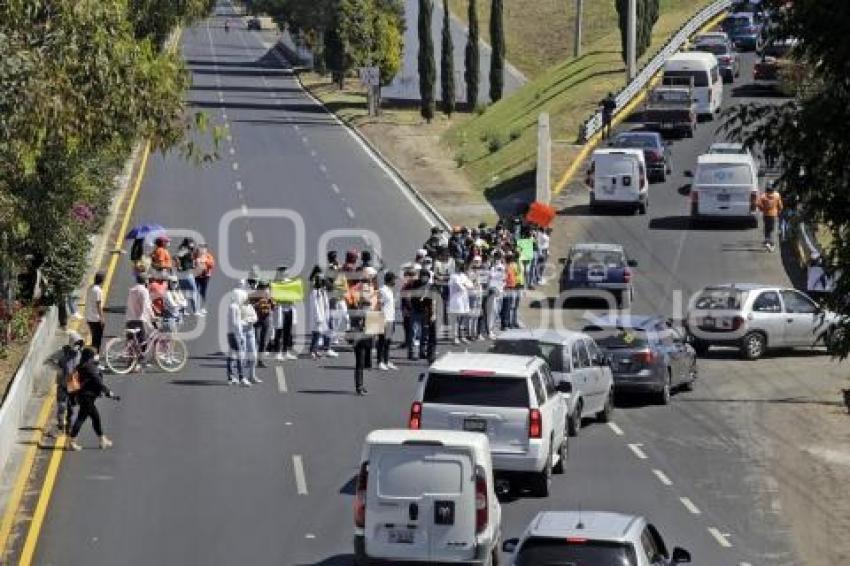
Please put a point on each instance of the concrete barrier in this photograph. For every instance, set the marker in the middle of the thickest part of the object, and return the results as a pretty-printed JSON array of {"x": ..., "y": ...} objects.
[{"x": 34, "y": 376}]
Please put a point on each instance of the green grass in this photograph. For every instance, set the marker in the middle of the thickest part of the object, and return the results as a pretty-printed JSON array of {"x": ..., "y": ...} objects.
[{"x": 568, "y": 91}]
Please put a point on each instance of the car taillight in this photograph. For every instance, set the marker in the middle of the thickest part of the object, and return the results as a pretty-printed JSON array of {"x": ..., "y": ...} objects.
[
  {"x": 643, "y": 357},
  {"x": 725, "y": 59},
  {"x": 535, "y": 424},
  {"x": 360, "y": 497},
  {"x": 737, "y": 322},
  {"x": 482, "y": 511},
  {"x": 415, "y": 422},
  {"x": 627, "y": 275},
  {"x": 754, "y": 201},
  {"x": 654, "y": 155}
]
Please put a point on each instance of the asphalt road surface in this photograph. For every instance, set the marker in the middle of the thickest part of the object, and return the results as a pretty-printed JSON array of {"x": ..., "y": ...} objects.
[{"x": 203, "y": 473}]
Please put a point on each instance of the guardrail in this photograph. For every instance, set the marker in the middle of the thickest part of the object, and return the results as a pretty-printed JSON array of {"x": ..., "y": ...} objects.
[{"x": 631, "y": 90}]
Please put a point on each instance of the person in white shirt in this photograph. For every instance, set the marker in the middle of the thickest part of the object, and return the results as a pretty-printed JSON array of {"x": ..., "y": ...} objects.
[
  {"x": 495, "y": 292},
  {"x": 320, "y": 315},
  {"x": 174, "y": 305},
  {"x": 386, "y": 302},
  {"x": 543, "y": 239},
  {"x": 459, "y": 288},
  {"x": 140, "y": 313},
  {"x": 235, "y": 340},
  {"x": 94, "y": 311}
]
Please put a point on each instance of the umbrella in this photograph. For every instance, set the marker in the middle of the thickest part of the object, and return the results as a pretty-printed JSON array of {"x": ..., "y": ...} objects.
[{"x": 143, "y": 231}]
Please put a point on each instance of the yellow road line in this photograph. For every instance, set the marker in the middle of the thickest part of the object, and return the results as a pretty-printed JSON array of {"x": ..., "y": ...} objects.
[{"x": 594, "y": 140}]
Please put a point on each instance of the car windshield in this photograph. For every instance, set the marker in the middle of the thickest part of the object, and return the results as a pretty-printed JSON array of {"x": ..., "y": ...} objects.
[
  {"x": 724, "y": 174},
  {"x": 549, "y": 352},
  {"x": 454, "y": 389},
  {"x": 738, "y": 22},
  {"x": 715, "y": 48},
  {"x": 700, "y": 78},
  {"x": 584, "y": 258},
  {"x": 719, "y": 299},
  {"x": 617, "y": 337},
  {"x": 636, "y": 141},
  {"x": 727, "y": 150},
  {"x": 539, "y": 551},
  {"x": 677, "y": 96}
]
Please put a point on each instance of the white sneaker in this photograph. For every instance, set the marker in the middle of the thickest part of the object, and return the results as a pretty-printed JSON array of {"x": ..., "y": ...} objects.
[
  {"x": 203, "y": 312},
  {"x": 245, "y": 383},
  {"x": 392, "y": 366},
  {"x": 74, "y": 446},
  {"x": 383, "y": 367},
  {"x": 232, "y": 381},
  {"x": 280, "y": 357},
  {"x": 257, "y": 380},
  {"x": 105, "y": 443},
  {"x": 291, "y": 356},
  {"x": 331, "y": 353},
  {"x": 456, "y": 342}
]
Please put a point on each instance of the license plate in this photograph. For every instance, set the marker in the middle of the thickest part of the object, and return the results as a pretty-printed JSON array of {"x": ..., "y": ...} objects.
[
  {"x": 708, "y": 322},
  {"x": 723, "y": 198},
  {"x": 401, "y": 536},
  {"x": 475, "y": 425}
]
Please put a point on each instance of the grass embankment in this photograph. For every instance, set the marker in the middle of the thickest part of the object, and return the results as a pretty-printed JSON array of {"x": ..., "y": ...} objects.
[{"x": 497, "y": 149}]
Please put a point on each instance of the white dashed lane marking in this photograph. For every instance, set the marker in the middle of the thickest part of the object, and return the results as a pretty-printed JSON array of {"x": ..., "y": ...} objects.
[
  {"x": 719, "y": 537},
  {"x": 232, "y": 151},
  {"x": 281, "y": 381},
  {"x": 313, "y": 153},
  {"x": 689, "y": 505},
  {"x": 238, "y": 185},
  {"x": 224, "y": 117},
  {"x": 637, "y": 451},
  {"x": 235, "y": 166},
  {"x": 617, "y": 430},
  {"x": 349, "y": 212},
  {"x": 300, "y": 478},
  {"x": 323, "y": 169},
  {"x": 249, "y": 236},
  {"x": 335, "y": 188},
  {"x": 662, "y": 477}
]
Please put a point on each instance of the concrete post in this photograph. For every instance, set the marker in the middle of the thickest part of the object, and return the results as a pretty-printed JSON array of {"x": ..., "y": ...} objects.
[
  {"x": 577, "y": 38},
  {"x": 631, "y": 59},
  {"x": 544, "y": 160}
]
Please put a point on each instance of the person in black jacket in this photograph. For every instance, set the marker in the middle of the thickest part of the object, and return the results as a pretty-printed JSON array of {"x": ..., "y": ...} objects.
[{"x": 91, "y": 388}]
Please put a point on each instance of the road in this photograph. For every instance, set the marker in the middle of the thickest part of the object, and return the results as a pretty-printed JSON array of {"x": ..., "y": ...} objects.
[
  {"x": 202, "y": 473},
  {"x": 406, "y": 84}
]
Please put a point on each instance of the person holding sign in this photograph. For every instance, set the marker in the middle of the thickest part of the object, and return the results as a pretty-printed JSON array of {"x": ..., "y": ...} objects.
[
  {"x": 286, "y": 292},
  {"x": 366, "y": 322}
]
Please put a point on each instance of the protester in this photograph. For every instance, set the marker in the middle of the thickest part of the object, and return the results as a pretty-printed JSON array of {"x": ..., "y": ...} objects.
[
  {"x": 261, "y": 299},
  {"x": 320, "y": 316},
  {"x": 249, "y": 338},
  {"x": 186, "y": 253},
  {"x": 363, "y": 300},
  {"x": 235, "y": 340},
  {"x": 204, "y": 265},
  {"x": 609, "y": 105},
  {"x": 459, "y": 288},
  {"x": 770, "y": 204},
  {"x": 386, "y": 302},
  {"x": 91, "y": 388},
  {"x": 174, "y": 305},
  {"x": 161, "y": 257},
  {"x": 94, "y": 311},
  {"x": 285, "y": 320},
  {"x": 140, "y": 313},
  {"x": 69, "y": 359}
]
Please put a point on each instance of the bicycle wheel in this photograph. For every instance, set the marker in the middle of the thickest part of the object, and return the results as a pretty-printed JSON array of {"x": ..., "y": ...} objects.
[
  {"x": 121, "y": 355},
  {"x": 170, "y": 354}
]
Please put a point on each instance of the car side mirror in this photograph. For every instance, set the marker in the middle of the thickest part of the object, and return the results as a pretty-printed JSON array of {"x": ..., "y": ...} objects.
[
  {"x": 564, "y": 387},
  {"x": 681, "y": 556},
  {"x": 632, "y": 263},
  {"x": 510, "y": 545}
]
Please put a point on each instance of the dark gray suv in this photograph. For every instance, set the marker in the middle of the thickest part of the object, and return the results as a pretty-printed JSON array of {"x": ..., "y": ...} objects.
[{"x": 646, "y": 353}]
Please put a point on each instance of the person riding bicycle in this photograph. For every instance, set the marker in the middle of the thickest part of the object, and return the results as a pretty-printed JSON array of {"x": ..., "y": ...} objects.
[{"x": 140, "y": 315}]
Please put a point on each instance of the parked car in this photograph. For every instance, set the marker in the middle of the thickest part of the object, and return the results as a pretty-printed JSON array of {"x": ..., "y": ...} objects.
[
  {"x": 618, "y": 178},
  {"x": 725, "y": 185},
  {"x": 744, "y": 30},
  {"x": 671, "y": 107},
  {"x": 756, "y": 318},
  {"x": 656, "y": 152},
  {"x": 573, "y": 358},
  {"x": 426, "y": 496},
  {"x": 730, "y": 66},
  {"x": 513, "y": 400},
  {"x": 647, "y": 354},
  {"x": 592, "y": 538},
  {"x": 599, "y": 267}
]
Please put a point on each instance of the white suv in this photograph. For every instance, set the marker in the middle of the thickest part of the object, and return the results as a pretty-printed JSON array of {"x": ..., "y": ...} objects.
[
  {"x": 592, "y": 537},
  {"x": 512, "y": 399}
]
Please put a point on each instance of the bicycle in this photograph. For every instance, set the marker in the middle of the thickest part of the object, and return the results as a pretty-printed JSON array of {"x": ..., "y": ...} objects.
[{"x": 124, "y": 354}]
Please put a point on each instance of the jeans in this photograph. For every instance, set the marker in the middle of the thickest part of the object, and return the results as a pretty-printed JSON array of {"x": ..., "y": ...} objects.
[
  {"x": 235, "y": 354},
  {"x": 265, "y": 332},
  {"x": 201, "y": 283},
  {"x": 190, "y": 291},
  {"x": 384, "y": 342},
  {"x": 769, "y": 225},
  {"x": 250, "y": 363},
  {"x": 492, "y": 310},
  {"x": 64, "y": 409},
  {"x": 319, "y": 341},
  {"x": 87, "y": 409},
  {"x": 417, "y": 332}
]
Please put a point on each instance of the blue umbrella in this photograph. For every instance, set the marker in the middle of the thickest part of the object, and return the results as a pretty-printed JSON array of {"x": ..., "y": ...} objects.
[{"x": 143, "y": 231}]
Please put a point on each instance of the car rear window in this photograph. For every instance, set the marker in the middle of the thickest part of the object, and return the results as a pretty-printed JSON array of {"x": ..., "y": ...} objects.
[
  {"x": 539, "y": 551},
  {"x": 719, "y": 299},
  {"x": 583, "y": 258},
  {"x": 453, "y": 389},
  {"x": 618, "y": 337},
  {"x": 407, "y": 473},
  {"x": 633, "y": 141},
  {"x": 700, "y": 77},
  {"x": 715, "y": 48},
  {"x": 725, "y": 174},
  {"x": 549, "y": 352},
  {"x": 738, "y": 22}
]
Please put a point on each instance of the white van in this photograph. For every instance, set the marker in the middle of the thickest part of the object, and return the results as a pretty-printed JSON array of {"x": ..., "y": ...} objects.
[
  {"x": 617, "y": 177},
  {"x": 704, "y": 69},
  {"x": 725, "y": 185},
  {"x": 426, "y": 496}
]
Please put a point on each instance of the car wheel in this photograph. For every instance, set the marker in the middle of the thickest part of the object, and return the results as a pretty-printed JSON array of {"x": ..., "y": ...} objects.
[
  {"x": 495, "y": 557},
  {"x": 661, "y": 177},
  {"x": 574, "y": 423},
  {"x": 541, "y": 482},
  {"x": 753, "y": 345},
  {"x": 663, "y": 396},
  {"x": 700, "y": 347},
  {"x": 605, "y": 414},
  {"x": 563, "y": 454}
]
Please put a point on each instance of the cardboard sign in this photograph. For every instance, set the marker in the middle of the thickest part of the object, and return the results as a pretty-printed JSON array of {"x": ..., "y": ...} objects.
[
  {"x": 289, "y": 291},
  {"x": 374, "y": 323},
  {"x": 526, "y": 249}
]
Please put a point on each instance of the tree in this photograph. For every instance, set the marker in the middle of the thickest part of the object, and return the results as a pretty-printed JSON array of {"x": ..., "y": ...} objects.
[
  {"x": 447, "y": 64},
  {"x": 497, "y": 57},
  {"x": 154, "y": 19},
  {"x": 807, "y": 135},
  {"x": 472, "y": 58},
  {"x": 427, "y": 67}
]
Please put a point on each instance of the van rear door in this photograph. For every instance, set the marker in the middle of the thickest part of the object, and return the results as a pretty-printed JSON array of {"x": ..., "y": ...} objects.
[
  {"x": 479, "y": 402},
  {"x": 422, "y": 503},
  {"x": 726, "y": 189},
  {"x": 617, "y": 177}
]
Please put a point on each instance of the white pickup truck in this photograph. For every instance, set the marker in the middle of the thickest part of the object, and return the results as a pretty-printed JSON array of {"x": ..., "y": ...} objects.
[{"x": 512, "y": 399}]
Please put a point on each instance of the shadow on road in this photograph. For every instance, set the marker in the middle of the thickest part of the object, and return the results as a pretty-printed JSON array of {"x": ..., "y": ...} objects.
[
  {"x": 199, "y": 382},
  {"x": 338, "y": 560},
  {"x": 325, "y": 392},
  {"x": 783, "y": 400}
]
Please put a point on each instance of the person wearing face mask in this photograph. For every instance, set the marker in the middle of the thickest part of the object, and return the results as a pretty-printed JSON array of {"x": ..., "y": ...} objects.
[
  {"x": 386, "y": 302},
  {"x": 69, "y": 359},
  {"x": 91, "y": 388},
  {"x": 174, "y": 305}
]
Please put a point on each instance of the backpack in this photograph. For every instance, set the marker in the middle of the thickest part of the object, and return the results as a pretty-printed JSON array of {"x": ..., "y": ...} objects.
[
  {"x": 73, "y": 383},
  {"x": 186, "y": 261}
]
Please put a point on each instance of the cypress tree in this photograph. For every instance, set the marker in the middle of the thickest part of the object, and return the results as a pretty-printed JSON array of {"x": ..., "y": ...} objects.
[
  {"x": 472, "y": 61},
  {"x": 497, "y": 58},
  {"x": 447, "y": 64},
  {"x": 427, "y": 67}
]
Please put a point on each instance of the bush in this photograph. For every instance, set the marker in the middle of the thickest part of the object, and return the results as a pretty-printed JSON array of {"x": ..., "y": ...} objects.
[
  {"x": 516, "y": 134},
  {"x": 495, "y": 143},
  {"x": 460, "y": 160},
  {"x": 480, "y": 109}
]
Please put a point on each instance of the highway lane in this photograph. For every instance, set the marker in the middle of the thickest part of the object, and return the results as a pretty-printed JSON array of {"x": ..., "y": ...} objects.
[{"x": 203, "y": 473}]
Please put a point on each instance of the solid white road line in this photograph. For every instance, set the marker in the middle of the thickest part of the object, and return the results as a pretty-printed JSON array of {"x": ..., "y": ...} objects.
[
  {"x": 349, "y": 212},
  {"x": 689, "y": 505},
  {"x": 719, "y": 537},
  {"x": 300, "y": 478},
  {"x": 617, "y": 430},
  {"x": 638, "y": 452},
  {"x": 335, "y": 188},
  {"x": 281, "y": 381},
  {"x": 304, "y": 140},
  {"x": 662, "y": 477},
  {"x": 310, "y": 536},
  {"x": 249, "y": 236}
]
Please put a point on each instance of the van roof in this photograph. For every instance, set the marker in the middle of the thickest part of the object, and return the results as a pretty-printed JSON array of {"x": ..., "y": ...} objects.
[
  {"x": 499, "y": 364},
  {"x": 451, "y": 438},
  {"x": 699, "y": 58},
  {"x": 724, "y": 158},
  {"x": 596, "y": 525},
  {"x": 547, "y": 336}
]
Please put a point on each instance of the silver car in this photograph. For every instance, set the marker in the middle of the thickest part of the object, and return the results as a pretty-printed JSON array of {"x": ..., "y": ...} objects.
[
  {"x": 592, "y": 537},
  {"x": 755, "y": 318}
]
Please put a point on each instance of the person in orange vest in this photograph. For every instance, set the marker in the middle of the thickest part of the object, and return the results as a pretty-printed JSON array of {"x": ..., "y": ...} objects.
[
  {"x": 204, "y": 265},
  {"x": 161, "y": 257},
  {"x": 770, "y": 205}
]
